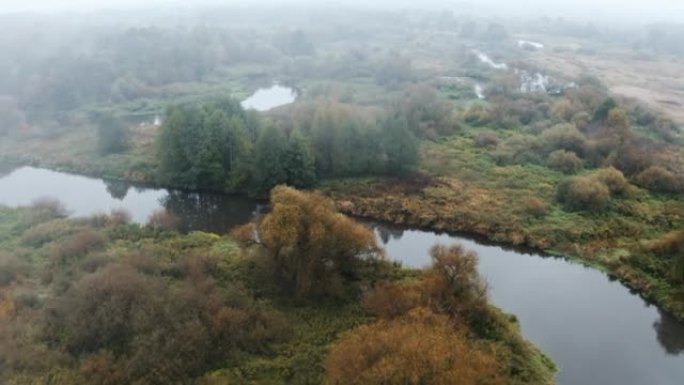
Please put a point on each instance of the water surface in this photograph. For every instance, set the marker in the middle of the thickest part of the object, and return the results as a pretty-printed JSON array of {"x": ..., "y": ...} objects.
[
  {"x": 83, "y": 196},
  {"x": 265, "y": 99}
]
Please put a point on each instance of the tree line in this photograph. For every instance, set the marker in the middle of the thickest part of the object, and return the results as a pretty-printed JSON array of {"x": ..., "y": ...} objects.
[{"x": 217, "y": 145}]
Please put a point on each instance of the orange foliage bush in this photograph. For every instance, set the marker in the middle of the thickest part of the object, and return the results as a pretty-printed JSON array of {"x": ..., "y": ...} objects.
[
  {"x": 310, "y": 243},
  {"x": 420, "y": 348},
  {"x": 390, "y": 300}
]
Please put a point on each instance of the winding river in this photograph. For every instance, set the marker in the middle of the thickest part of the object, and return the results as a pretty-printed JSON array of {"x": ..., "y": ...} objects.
[{"x": 595, "y": 329}]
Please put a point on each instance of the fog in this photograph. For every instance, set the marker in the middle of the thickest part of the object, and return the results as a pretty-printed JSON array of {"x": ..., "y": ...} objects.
[{"x": 612, "y": 11}]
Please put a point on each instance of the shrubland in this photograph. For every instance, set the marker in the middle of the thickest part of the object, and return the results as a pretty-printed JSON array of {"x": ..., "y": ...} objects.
[{"x": 293, "y": 297}]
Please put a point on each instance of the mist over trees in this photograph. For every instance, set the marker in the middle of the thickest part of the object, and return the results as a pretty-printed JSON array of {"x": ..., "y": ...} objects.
[
  {"x": 431, "y": 117},
  {"x": 217, "y": 145}
]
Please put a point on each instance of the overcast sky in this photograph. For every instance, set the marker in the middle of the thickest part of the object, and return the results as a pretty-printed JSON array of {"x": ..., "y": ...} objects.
[{"x": 635, "y": 10}]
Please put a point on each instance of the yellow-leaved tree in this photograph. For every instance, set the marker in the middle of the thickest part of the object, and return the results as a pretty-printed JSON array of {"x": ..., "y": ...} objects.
[{"x": 312, "y": 248}]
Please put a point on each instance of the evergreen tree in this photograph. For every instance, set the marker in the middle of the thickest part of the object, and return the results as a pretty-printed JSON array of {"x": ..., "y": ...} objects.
[
  {"x": 300, "y": 162},
  {"x": 173, "y": 161},
  {"x": 112, "y": 135},
  {"x": 210, "y": 160},
  {"x": 400, "y": 146},
  {"x": 269, "y": 168},
  {"x": 241, "y": 155}
]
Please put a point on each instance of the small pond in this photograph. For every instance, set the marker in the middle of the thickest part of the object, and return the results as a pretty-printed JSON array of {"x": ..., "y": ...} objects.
[{"x": 265, "y": 99}]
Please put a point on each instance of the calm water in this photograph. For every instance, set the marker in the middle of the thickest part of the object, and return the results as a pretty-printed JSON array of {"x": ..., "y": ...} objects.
[
  {"x": 593, "y": 328},
  {"x": 265, "y": 99},
  {"x": 83, "y": 196}
]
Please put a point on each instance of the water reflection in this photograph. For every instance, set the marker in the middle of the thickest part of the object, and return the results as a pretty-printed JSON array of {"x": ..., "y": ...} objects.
[
  {"x": 117, "y": 189},
  {"x": 670, "y": 335},
  {"x": 209, "y": 212},
  {"x": 83, "y": 196},
  {"x": 388, "y": 233}
]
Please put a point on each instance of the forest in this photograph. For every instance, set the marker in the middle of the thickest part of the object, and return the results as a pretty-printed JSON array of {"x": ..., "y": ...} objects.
[{"x": 552, "y": 135}]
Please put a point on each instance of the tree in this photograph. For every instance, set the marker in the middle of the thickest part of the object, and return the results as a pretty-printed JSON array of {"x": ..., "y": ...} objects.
[
  {"x": 300, "y": 163},
  {"x": 601, "y": 113},
  {"x": 312, "y": 247},
  {"x": 455, "y": 287},
  {"x": 207, "y": 146},
  {"x": 618, "y": 126},
  {"x": 112, "y": 135},
  {"x": 211, "y": 156},
  {"x": 400, "y": 146},
  {"x": 269, "y": 154},
  {"x": 173, "y": 161}
]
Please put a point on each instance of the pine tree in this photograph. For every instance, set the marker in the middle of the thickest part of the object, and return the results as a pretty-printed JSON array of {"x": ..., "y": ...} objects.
[
  {"x": 300, "y": 162},
  {"x": 112, "y": 135},
  {"x": 269, "y": 168},
  {"x": 399, "y": 145}
]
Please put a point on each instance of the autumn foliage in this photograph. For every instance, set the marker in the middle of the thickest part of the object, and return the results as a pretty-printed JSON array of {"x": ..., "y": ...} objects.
[
  {"x": 419, "y": 348},
  {"x": 434, "y": 330},
  {"x": 312, "y": 248}
]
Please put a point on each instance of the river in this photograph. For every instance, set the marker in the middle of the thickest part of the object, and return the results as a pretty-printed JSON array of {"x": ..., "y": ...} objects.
[{"x": 595, "y": 329}]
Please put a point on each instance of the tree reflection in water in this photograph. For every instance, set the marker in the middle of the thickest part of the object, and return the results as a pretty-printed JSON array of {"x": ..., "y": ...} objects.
[
  {"x": 387, "y": 232},
  {"x": 117, "y": 189},
  {"x": 215, "y": 213},
  {"x": 670, "y": 334}
]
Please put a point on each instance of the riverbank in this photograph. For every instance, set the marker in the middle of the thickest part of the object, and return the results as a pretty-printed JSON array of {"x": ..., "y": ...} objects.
[{"x": 449, "y": 205}]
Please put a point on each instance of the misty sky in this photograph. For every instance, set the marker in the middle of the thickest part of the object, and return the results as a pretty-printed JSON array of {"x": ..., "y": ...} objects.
[{"x": 618, "y": 10}]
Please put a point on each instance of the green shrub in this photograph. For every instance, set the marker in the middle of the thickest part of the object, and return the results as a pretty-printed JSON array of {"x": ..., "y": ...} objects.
[
  {"x": 487, "y": 139},
  {"x": 613, "y": 179},
  {"x": 477, "y": 115},
  {"x": 536, "y": 207},
  {"x": 10, "y": 269},
  {"x": 583, "y": 194},
  {"x": 564, "y": 161},
  {"x": 564, "y": 137},
  {"x": 660, "y": 179}
]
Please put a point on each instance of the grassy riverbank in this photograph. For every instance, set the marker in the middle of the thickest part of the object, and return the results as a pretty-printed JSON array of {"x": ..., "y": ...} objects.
[
  {"x": 636, "y": 241},
  {"x": 88, "y": 300}
]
